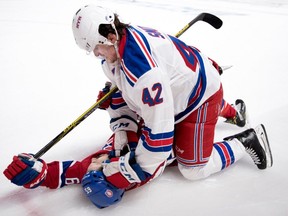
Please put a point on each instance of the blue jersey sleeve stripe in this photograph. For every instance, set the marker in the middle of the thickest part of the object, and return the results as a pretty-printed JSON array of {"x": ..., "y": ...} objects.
[
  {"x": 144, "y": 46},
  {"x": 155, "y": 149},
  {"x": 198, "y": 90},
  {"x": 117, "y": 101},
  {"x": 65, "y": 165},
  {"x": 137, "y": 58},
  {"x": 157, "y": 142}
]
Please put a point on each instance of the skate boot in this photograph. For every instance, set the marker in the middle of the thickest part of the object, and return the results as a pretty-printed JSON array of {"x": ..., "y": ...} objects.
[
  {"x": 240, "y": 118},
  {"x": 256, "y": 145}
]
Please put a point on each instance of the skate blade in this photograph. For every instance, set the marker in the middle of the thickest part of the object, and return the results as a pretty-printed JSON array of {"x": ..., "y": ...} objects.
[
  {"x": 263, "y": 138},
  {"x": 247, "y": 123}
]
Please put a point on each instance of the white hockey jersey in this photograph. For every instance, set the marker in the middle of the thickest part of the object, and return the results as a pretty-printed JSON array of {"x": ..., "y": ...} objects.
[{"x": 162, "y": 80}]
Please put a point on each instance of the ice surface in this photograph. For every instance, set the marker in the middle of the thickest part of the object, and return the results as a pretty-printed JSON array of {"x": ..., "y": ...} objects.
[{"x": 46, "y": 82}]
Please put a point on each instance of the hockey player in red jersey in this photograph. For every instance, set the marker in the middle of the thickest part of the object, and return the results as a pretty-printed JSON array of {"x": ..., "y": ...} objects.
[{"x": 169, "y": 100}]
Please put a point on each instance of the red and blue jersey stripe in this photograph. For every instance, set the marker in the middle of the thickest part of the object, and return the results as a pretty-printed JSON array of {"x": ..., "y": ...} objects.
[
  {"x": 135, "y": 53},
  {"x": 161, "y": 142},
  {"x": 199, "y": 89},
  {"x": 117, "y": 101}
]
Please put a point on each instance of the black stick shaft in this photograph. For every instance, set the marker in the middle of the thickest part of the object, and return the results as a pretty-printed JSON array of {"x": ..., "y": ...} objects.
[{"x": 74, "y": 124}]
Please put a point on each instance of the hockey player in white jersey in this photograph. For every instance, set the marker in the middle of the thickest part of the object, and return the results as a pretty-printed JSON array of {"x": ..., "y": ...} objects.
[{"x": 169, "y": 100}]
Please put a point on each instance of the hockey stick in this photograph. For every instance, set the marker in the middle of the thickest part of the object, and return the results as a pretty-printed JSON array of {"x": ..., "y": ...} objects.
[
  {"x": 206, "y": 17},
  {"x": 74, "y": 123},
  {"x": 211, "y": 19}
]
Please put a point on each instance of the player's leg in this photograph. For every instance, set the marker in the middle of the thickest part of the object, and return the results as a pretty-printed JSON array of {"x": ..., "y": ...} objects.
[
  {"x": 234, "y": 114},
  {"x": 227, "y": 110},
  {"x": 256, "y": 144},
  {"x": 197, "y": 155}
]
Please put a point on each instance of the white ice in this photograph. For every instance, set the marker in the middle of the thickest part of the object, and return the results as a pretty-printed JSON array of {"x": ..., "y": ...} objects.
[{"x": 46, "y": 82}]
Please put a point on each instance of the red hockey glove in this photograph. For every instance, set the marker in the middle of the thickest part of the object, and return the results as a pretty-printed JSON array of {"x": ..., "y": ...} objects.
[
  {"x": 26, "y": 171},
  {"x": 102, "y": 93}
]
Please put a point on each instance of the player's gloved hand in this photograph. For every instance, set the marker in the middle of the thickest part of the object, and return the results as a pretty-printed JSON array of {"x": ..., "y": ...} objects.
[
  {"x": 102, "y": 93},
  {"x": 26, "y": 171},
  {"x": 97, "y": 161},
  {"x": 124, "y": 171},
  {"x": 123, "y": 142}
]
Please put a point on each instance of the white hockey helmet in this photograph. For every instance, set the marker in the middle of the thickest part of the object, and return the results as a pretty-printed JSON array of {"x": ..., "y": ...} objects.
[{"x": 86, "y": 24}]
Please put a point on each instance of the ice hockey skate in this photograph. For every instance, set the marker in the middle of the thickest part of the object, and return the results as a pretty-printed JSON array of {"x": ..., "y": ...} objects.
[
  {"x": 256, "y": 145},
  {"x": 240, "y": 118}
]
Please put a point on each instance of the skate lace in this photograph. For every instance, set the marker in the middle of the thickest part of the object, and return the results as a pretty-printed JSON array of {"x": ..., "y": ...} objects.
[
  {"x": 253, "y": 155},
  {"x": 232, "y": 120}
]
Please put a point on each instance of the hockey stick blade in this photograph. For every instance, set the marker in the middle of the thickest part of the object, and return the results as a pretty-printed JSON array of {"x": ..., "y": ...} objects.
[
  {"x": 211, "y": 19},
  {"x": 226, "y": 67}
]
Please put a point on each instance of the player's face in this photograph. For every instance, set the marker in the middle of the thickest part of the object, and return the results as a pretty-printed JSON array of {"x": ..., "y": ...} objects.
[{"x": 105, "y": 51}]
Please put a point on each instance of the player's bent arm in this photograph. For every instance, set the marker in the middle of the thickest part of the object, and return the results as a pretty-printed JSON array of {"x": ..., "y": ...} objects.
[{"x": 155, "y": 143}]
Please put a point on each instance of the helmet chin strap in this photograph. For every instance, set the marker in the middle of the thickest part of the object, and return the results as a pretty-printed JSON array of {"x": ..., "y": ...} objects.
[
  {"x": 115, "y": 64},
  {"x": 115, "y": 44}
]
